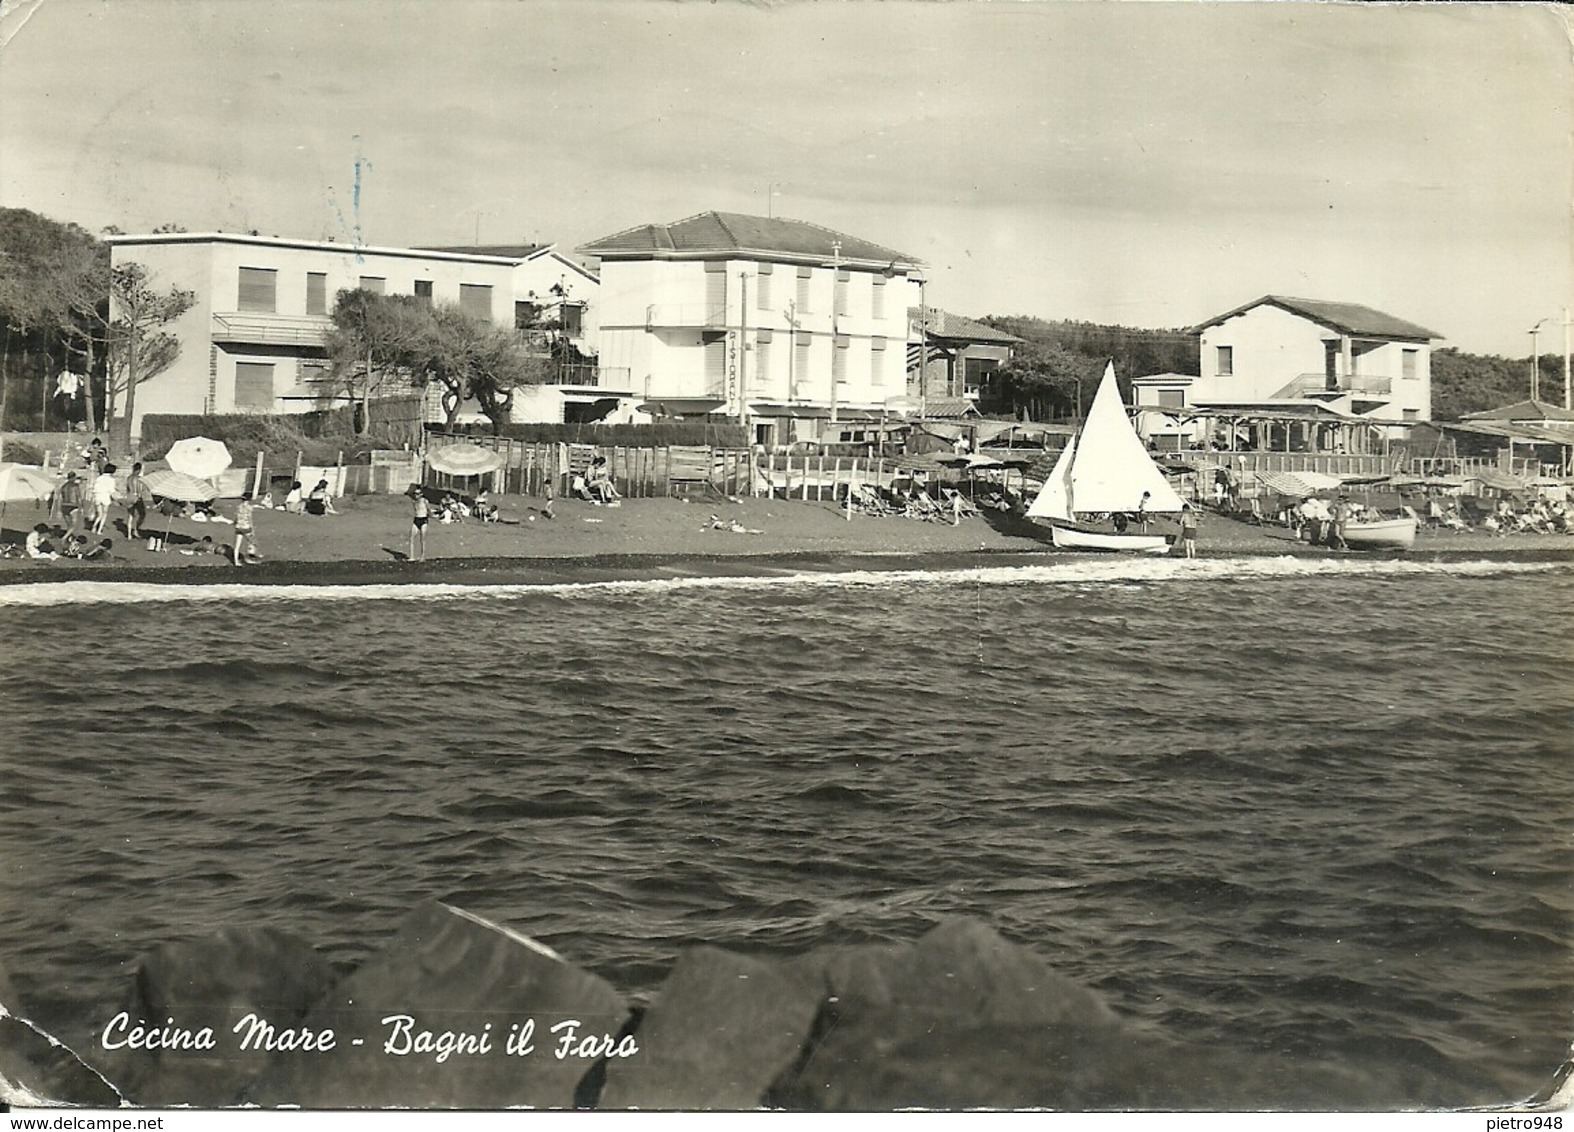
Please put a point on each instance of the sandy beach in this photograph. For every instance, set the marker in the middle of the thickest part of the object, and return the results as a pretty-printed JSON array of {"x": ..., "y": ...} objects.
[{"x": 370, "y": 537}]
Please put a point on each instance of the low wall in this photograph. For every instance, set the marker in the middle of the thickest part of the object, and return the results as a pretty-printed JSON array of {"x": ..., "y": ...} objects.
[{"x": 458, "y": 1012}]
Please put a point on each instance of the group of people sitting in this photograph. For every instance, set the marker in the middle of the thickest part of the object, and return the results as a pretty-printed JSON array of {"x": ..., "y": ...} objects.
[
  {"x": 1539, "y": 516},
  {"x": 297, "y": 501},
  {"x": 595, "y": 484},
  {"x": 50, "y": 544}
]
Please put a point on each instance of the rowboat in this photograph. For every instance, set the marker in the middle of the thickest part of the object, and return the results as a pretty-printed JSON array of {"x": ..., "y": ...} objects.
[{"x": 1381, "y": 534}]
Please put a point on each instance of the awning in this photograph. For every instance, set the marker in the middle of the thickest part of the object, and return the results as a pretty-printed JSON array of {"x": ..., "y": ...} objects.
[
  {"x": 682, "y": 406},
  {"x": 1497, "y": 479},
  {"x": 1299, "y": 484}
]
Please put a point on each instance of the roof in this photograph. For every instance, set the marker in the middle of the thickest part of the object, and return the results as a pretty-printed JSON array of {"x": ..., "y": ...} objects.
[
  {"x": 502, "y": 251},
  {"x": 1522, "y": 411},
  {"x": 473, "y": 255},
  {"x": 944, "y": 324},
  {"x": 1551, "y": 433},
  {"x": 1347, "y": 318},
  {"x": 949, "y": 408},
  {"x": 711, "y": 235}
]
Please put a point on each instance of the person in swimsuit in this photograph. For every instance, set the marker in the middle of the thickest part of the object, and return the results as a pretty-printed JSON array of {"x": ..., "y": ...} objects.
[
  {"x": 244, "y": 544},
  {"x": 1188, "y": 530},
  {"x": 423, "y": 512}
]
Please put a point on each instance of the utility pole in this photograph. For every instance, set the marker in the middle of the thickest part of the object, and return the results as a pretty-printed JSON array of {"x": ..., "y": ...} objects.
[{"x": 1568, "y": 388}]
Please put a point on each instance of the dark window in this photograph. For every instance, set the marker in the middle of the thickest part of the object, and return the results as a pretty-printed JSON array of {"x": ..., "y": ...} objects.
[
  {"x": 376, "y": 284},
  {"x": 525, "y": 314},
  {"x": 475, "y": 299},
  {"x": 316, "y": 293},
  {"x": 1226, "y": 359},
  {"x": 1411, "y": 360},
  {"x": 573, "y": 319},
  {"x": 254, "y": 385},
  {"x": 423, "y": 290},
  {"x": 314, "y": 373},
  {"x": 259, "y": 289},
  {"x": 1172, "y": 399}
]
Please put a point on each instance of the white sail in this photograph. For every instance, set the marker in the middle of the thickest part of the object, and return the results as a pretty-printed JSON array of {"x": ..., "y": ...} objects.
[
  {"x": 1054, "y": 501},
  {"x": 1106, "y": 468}
]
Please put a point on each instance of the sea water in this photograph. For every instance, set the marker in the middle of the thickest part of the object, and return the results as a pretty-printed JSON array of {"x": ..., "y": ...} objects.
[{"x": 1319, "y": 807}]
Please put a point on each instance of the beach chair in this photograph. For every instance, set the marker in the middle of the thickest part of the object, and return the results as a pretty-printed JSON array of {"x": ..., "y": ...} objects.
[
  {"x": 954, "y": 501},
  {"x": 1255, "y": 514}
]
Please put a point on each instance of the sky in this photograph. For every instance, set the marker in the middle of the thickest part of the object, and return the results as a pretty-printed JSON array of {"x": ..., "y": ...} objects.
[{"x": 1144, "y": 163}]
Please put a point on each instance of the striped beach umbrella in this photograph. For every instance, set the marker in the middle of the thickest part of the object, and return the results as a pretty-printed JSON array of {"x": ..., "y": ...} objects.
[{"x": 464, "y": 460}]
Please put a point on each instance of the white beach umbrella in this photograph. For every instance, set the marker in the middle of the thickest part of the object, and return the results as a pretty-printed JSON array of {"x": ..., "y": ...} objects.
[
  {"x": 21, "y": 483},
  {"x": 198, "y": 456}
]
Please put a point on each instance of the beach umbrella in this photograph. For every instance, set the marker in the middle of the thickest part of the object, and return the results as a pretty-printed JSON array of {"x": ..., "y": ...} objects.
[
  {"x": 170, "y": 484},
  {"x": 22, "y": 482},
  {"x": 464, "y": 460},
  {"x": 199, "y": 457}
]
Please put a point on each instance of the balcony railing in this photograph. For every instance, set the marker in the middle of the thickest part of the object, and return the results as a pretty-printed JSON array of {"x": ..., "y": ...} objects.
[
  {"x": 1312, "y": 384},
  {"x": 261, "y": 328},
  {"x": 685, "y": 314}
]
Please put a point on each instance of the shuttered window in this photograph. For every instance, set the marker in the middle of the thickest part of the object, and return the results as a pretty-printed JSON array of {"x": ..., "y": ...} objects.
[
  {"x": 316, "y": 292},
  {"x": 253, "y": 386},
  {"x": 1411, "y": 362},
  {"x": 715, "y": 292},
  {"x": 839, "y": 359},
  {"x": 716, "y": 365},
  {"x": 259, "y": 289},
  {"x": 804, "y": 276},
  {"x": 801, "y": 343},
  {"x": 423, "y": 290},
  {"x": 475, "y": 300},
  {"x": 877, "y": 299},
  {"x": 843, "y": 286},
  {"x": 376, "y": 284},
  {"x": 877, "y": 360},
  {"x": 767, "y": 274},
  {"x": 314, "y": 373}
]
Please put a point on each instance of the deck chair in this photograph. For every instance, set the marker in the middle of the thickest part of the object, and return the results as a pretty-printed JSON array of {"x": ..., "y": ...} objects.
[
  {"x": 953, "y": 500},
  {"x": 1255, "y": 515},
  {"x": 924, "y": 507}
]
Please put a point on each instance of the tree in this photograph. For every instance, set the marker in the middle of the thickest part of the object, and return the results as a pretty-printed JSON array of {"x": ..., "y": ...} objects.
[
  {"x": 138, "y": 348},
  {"x": 379, "y": 342},
  {"x": 1043, "y": 380}
]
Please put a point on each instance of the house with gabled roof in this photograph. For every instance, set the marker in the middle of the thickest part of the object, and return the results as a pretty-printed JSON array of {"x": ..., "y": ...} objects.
[
  {"x": 1308, "y": 368},
  {"x": 960, "y": 356},
  {"x": 783, "y": 324}
]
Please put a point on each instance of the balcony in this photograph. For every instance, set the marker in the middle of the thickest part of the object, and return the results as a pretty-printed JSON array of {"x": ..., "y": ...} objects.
[
  {"x": 258, "y": 328},
  {"x": 676, "y": 315},
  {"x": 1321, "y": 385}
]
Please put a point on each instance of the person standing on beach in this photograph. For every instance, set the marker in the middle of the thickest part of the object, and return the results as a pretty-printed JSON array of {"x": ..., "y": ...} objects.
[
  {"x": 1339, "y": 514},
  {"x": 1188, "y": 530},
  {"x": 70, "y": 499},
  {"x": 137, "y": 497},
  {"x": 245, "y": 544},
  {"x": 423, "y": 512},
  {"x": 103, "y": 496}
]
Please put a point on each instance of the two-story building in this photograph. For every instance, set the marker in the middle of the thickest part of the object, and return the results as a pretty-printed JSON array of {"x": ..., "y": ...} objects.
[
  {"x": 1312, "y": 373},
  {"x": 255, "y": 338},
  {"x": 960, "y": 356},
  {"x": 781, "y": 324}
]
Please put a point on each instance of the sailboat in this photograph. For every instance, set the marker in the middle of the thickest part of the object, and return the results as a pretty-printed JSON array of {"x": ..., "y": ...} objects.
[{"x": 1105, "y": 469}]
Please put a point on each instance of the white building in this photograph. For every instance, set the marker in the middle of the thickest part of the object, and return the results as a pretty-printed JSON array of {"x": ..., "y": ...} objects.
[
  {"x": 254, "y": 340},
  {"x": 1278, "y": 358},
  {"x": 778, "y": 323}
]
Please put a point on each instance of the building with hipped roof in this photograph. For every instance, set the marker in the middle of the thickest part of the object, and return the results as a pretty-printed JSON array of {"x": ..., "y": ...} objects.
[
  {"x": 255, "y": 339},
  {"x": 783, "y": 324},
  {"x": 1302, "y": 374}
]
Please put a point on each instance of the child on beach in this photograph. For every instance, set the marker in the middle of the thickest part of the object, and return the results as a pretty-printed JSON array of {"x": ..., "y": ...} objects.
[
  {"x": 423, "y": 512},
  {"x": 1188, "y": 530}
]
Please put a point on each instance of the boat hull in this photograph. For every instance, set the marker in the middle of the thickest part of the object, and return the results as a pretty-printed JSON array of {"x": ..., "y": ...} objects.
[
  {"x": 1386, "y": 534},
  {"x": 1074, "y": 538}
]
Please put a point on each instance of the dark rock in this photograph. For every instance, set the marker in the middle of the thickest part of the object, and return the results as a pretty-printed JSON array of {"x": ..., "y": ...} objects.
[
  {"x": 36, "y": 1070},
  {"x": 212, "y": 984},
  {"x": 449, "y": 973},
  {"x": 722, "y": 1028},
  {"x": 965, "y": 1019}
]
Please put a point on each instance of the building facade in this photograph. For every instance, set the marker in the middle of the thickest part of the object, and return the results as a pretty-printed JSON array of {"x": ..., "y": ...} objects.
[
  {"x": 783, "y": 325},
  {"x": 1327, "y": 364},
  {"x": 255, "y": 338}
]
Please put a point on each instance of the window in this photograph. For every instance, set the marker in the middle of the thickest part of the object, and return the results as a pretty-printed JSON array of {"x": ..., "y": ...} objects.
[
  {"x": 1411, "y": 361},
  {"x": 767, "y": 271},
  {"x": 715, "y": 293},
  {"x": 313, "y": 373},
  {"x": 877, "y": 300},
  {"x": 525, "y": 314},
  {"x": 804, "y": 276},
  {"x": 1226, "y": 361},
  {"x": 877, "y": 359},
  {"x": 475, "y": 300},
  {"x": 839, "y": 360},
  {"x": 800, "y": 376},
  {"x": 376, "y": 284},
  {"x": 762, "y": 354},
  {"x": 316, "y": 292},
  {"x": 1172, "y": 398},
  {"x": 573, "y": 319},
  {"x": 843, "y": 283},
  {"x": 254, "y": 386},
  {"x": 423, "y": 290},
  {"x": 259, "y": 289},
  {"x": 1412, "y": 414}
]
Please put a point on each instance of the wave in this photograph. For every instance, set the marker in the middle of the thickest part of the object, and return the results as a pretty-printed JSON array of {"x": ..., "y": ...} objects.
[{"x": 1116, "y": 572}]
